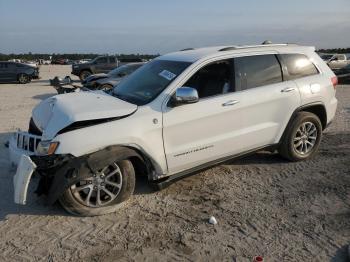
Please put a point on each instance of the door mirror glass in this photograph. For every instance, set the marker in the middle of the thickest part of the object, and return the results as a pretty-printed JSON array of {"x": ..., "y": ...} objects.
[{"x": 185, "y": 95}]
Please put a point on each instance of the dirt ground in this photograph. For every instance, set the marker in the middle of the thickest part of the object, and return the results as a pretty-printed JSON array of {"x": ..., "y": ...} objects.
[{"x": 263, "y": 204}]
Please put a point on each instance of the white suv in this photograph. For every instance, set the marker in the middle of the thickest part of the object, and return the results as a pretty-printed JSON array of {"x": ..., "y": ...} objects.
[{"x": 175, "y": 115}]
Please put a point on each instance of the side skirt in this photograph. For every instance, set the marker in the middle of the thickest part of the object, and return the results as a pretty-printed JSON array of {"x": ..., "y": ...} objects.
[{"x": 165, "y": 182}]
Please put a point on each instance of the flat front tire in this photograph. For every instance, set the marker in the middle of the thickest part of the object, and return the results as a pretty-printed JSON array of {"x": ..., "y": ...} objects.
[
  {"x": 101, "y": 193},
  {"x": 302, "y": 138}
]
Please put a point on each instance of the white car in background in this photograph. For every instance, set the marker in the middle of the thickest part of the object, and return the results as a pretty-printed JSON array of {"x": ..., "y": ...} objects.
[
  {"x": 336, "y": 61},
  {"x": 177, "y": 114}
]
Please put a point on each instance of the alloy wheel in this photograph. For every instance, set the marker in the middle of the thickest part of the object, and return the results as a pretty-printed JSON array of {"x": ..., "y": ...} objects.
[
  {"x": 100, "y": 189},
  {"x": 305, "y": 138}
]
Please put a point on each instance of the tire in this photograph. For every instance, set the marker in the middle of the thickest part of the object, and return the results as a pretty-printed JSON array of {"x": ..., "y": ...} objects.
[
  {"x": 84, "y": 74},
  {"x": 106, "y": 87},
  {"x": 302, "y": 137},
  {"x": 73, "y": 198},
  {"x": 23, "y": 78}
]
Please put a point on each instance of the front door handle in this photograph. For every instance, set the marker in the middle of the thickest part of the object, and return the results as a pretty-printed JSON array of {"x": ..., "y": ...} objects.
[
  {"x": 288, "y": 89},
  {"x": 230, "y": 103}
]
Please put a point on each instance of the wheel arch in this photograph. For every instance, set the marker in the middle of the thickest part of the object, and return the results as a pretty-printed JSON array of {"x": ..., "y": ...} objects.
[{"x": 317, "y": 108}]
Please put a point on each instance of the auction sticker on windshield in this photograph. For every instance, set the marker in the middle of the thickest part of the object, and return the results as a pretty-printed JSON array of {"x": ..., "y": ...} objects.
[{"x": 167, "y": 75}]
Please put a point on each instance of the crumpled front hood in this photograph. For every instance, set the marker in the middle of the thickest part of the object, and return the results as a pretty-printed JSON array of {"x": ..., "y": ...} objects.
[{"x": 60, "y": 111}]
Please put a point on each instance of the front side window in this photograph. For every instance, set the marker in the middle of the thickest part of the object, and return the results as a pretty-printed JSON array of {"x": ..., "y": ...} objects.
[
  {"x": 112, "y": 59},
  {"x": 213, "y": 79},
  {"x": 255, "y": 71},
  {"x": 149, "y": 81},
  {"x": 298, "y": 66}
]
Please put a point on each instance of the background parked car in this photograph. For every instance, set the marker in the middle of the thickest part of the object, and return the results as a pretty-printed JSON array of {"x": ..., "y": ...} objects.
[
  {"x": 101, "y": 64},
  {"x": 107, "y": 81},
  {"x": 17, "y": 72},
  {"x": 335, "y": 61},
  {"x": 343, "y": 74},
  {"x": 326, "y": 57}
]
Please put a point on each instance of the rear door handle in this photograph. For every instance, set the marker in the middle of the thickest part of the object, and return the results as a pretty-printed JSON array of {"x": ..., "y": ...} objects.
[
  {"x": 288, "y": 89},
  {"x": 230, "y": 103}
]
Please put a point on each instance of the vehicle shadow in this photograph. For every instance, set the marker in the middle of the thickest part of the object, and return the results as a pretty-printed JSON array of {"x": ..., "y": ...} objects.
[
  {"x": 44, "y": 96},
  {"x": 342, "y": 254}
]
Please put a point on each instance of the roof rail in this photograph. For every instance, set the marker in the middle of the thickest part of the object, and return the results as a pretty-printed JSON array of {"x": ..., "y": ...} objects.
[
  {"x": 229, "y": 48},
  {"x": 187, "y": 49}
]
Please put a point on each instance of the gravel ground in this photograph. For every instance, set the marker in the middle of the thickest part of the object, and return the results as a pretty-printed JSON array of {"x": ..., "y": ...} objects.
[{"x": 264, "y": 205}]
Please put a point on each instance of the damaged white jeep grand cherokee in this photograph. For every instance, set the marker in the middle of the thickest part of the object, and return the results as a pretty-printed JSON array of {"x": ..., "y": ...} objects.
[{"x": 175, "y": 115}]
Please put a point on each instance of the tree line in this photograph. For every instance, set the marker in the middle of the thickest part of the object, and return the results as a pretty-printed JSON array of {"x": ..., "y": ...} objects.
[
  {"x": 335, "y": 50},
  {"x": 30, "y": 56}
]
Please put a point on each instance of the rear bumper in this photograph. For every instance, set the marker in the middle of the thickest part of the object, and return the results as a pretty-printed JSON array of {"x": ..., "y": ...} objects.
[{"x": 331, "y": 109}]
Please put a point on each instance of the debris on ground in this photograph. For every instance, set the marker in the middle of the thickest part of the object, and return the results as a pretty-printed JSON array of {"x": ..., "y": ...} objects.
[{"x": 212, "y": 220}]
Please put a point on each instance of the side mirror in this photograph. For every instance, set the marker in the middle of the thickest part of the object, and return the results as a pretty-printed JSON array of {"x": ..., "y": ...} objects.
[{"x": 185, "y": 95}]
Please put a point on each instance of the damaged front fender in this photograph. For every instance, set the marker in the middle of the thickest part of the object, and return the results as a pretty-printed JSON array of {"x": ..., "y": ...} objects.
[{"x": 58, "y": 173}]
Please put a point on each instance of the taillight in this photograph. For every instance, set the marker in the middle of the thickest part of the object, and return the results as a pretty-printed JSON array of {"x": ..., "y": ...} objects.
[{"x": 334, "y": 80}]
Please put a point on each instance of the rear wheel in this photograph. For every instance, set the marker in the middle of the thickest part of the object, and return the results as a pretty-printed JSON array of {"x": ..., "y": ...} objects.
[
  {"x": 101, "y": 193},
  {"x": 84, "y": 74},
  {"x": 302, "y": 138},
  {"x": 23, "y": 78}
]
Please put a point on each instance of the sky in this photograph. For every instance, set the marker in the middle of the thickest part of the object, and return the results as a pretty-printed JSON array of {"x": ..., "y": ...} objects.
[{"x": 161, "y": 26}]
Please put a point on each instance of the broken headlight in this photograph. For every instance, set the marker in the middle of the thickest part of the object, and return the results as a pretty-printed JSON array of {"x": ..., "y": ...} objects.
[{"x": 46, "y": 147}]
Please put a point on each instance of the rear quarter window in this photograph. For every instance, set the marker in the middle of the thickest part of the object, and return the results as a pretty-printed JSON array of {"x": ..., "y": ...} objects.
[{"x": 298, "y": 66}]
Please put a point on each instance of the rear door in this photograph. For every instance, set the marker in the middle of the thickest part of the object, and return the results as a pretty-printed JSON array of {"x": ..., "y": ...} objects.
[
  {"x": 243, "y": 112},
  {"x": 314, "y": 85}
]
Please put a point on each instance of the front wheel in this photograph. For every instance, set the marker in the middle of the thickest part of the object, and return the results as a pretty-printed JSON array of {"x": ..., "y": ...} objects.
[
  {"x": 23, "y": 78},
  {"x": 84, "y": 74},
  {"x": 102, "y": 192},
  {"x": 302, "y": 138}
]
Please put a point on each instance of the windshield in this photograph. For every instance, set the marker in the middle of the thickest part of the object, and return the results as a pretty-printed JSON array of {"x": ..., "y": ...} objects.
[
  {"x": 149, "y": 81},
  {"x": 123, "y": 70}
]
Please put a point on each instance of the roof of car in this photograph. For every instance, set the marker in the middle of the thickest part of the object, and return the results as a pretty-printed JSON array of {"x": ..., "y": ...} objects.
[{"x": 194, "y": 54}]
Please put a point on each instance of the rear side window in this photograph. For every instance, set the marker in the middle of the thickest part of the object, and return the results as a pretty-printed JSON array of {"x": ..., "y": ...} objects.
[
  {"x": 298, "y": 66},
  {"x": 255, "y": 71},
  {"x": 112, "y": 59}
]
